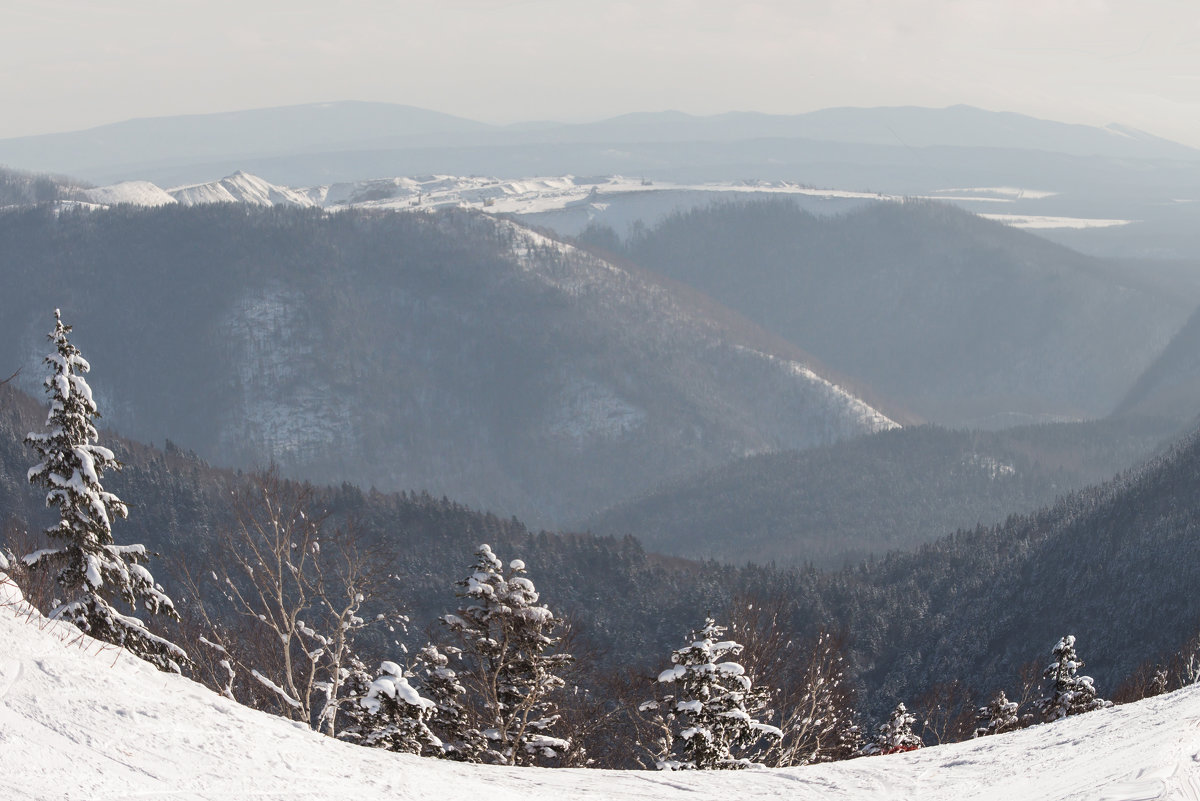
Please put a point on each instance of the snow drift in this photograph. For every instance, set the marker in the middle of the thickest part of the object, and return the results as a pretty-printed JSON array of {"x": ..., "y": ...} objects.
[{"x": 82, "y": 720}]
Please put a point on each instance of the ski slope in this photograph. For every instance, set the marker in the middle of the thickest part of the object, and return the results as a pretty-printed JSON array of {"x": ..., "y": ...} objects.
[{"x": 79, "y": 720}]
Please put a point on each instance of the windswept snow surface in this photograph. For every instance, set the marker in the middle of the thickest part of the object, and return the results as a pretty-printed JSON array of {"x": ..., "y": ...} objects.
[
  {"x": 241, "y": 187},
  {"x": 79, "y": 720},
  {"x": 138, "y": 193}
]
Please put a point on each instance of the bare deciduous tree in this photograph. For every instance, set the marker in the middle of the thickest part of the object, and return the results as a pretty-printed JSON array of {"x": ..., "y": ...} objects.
[
  {"x": 297, "y": 588},
  {"x": 814, "y": 703}
]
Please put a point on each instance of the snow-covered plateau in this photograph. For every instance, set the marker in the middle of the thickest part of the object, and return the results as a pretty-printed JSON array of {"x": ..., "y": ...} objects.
[
  {"x": 582, "y": 199},
  {"x": 81, "y": 720}
]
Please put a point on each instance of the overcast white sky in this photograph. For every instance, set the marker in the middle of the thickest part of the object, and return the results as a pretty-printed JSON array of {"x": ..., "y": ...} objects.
[{"x": 69, "y": 64}]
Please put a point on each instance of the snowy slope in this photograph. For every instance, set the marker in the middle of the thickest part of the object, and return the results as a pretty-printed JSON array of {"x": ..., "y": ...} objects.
[
  {"x": 84, "y": 721},
  {"x": 138, "y": 193},
  {"x": 240, "y": 188}
]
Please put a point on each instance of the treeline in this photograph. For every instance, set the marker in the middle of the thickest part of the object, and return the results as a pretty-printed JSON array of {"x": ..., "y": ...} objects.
[
  {"x": 1098, "y": 564},
  {"x": 893, "y": 490}
]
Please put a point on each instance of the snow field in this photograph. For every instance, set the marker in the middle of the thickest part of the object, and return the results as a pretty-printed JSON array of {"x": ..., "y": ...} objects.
[{"x": 82, "y": 720}]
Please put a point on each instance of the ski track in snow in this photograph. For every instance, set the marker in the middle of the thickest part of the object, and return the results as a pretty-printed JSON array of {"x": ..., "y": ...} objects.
[{"x": 81, "y": 721}]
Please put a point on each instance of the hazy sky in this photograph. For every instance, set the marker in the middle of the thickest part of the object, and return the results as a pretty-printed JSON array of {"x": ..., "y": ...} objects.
[{"x": 68, "y": 64}]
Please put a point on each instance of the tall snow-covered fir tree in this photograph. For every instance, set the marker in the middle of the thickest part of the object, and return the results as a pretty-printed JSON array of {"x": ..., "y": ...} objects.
[
  {"x": 895, "y": 734},
  {"x": 1068, "y": 693},
  {"x": 509, "y": 642},
  {"x": 90, "y": 570},
  {"x": 712, "y": 707}
]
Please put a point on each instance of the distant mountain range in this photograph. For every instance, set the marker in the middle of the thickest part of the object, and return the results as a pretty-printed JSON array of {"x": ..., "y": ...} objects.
[
  {"x": 135, "y": 148},
  {"x": 1058, "y": 170}
]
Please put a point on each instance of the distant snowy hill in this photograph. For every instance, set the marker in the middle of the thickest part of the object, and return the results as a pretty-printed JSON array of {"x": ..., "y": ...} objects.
[
  {"x": 81, "y": 721},
  {"x": 568, "y": 204},
  {"x": 1112, "y": 173},
  {"x": 239, "y": 188}
]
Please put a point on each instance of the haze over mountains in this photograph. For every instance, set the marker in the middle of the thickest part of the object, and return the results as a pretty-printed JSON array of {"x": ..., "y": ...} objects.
[
  {"x": 1104, "y": 173},
  {"x": 960, "y": 320},
  {"x": 121, "y": 150},
  {"x": 452, "y": 352}
]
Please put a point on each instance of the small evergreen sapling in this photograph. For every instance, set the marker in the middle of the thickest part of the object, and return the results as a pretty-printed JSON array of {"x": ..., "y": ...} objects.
[
  {"x": 712, "y": 707},
  {"x": 999, "y": 716},
  {"x": 1068, "y": 692},
  {"x": 91, "y": 571},
  {"x": 895, "y": 734}
]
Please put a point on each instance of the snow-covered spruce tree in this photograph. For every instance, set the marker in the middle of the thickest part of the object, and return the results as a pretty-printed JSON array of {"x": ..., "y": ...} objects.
[
  {"x": 387, "y": 713},
  {"x": 999, "y": 716},
  {"x": 1068, "y": 693},
  {"x": 712, "y": 708},
  {"x": 458, "y": 739},
  {"x": 508, "y": 640},
  {"x": 91, "y": 571},
  {"x": 895, "y": 734}
]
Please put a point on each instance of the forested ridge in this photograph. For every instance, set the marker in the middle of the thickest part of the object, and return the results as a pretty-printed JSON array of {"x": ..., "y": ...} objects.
[
  {"x": 973, "y": 606},
  {"x": 893, "y": 490}
]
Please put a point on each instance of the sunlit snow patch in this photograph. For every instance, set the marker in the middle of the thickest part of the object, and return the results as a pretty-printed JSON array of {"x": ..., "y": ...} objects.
[{"x": 1036, "y": 222}]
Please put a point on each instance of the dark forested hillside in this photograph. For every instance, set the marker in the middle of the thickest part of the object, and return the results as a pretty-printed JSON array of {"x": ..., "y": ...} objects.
[
  {"x": 956, "y": 318},
  {"x": 889, "y": 491},
  {"x": 1115, "y": 565},
  {"x": 449, "y": 351},
  {"x": 18, "y": 188}
]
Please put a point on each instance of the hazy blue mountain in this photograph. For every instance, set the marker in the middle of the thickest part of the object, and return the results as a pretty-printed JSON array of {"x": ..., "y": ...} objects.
[
  {"x": 958, "y": 319},
  {"x": 358, "y": 126},
  {"x": 906, "y": 126},
  {"x": 1170, "y": 386},
  {"x": 135, "y": 146}
]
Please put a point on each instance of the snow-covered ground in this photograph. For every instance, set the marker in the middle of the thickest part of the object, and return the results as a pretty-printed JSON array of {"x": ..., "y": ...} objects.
[
  {"x": 594, "y": 198},
  {"x": 83, "y": 721}
]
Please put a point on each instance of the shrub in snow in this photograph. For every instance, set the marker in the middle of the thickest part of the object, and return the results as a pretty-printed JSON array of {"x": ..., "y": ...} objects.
[
  {"x": 711, "y": 709},
  {"x": 90, "y": 570},
  {"x": 509, "y": 644},
  {"x": 1068, "y": 693},
  {"x": 998, "y": 717},
  {"x": 388, "y": 712},
  {"x": 895, "y": 734}
]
